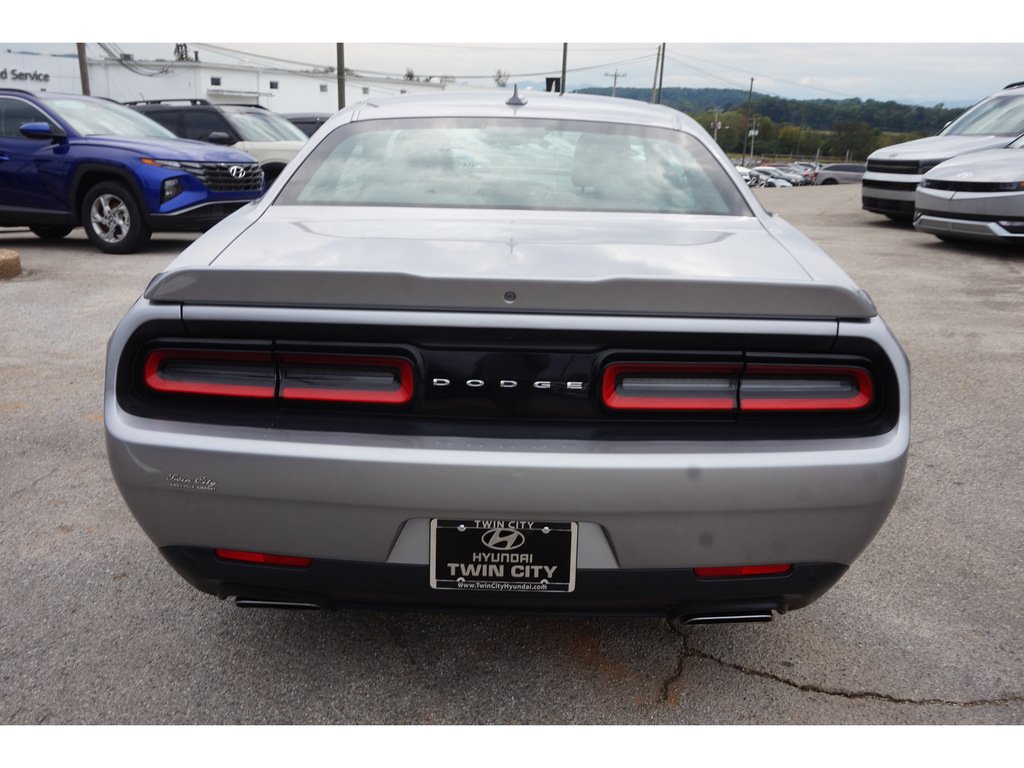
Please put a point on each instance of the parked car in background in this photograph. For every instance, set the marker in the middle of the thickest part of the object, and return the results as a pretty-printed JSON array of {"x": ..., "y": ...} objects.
[
  {"x": 307, "y": 122},
  {"x": 69, "y": 161},
  {"x": 840, "y": 173},
  {"x": 979, "y": 196},
  {"x": 253, "y": 129},
  {"x": 890, "y": 183},
  {"x": 800, "y": 176},
  {"x": 774, "y": 177},
  {"x": 480, "y": 353}
]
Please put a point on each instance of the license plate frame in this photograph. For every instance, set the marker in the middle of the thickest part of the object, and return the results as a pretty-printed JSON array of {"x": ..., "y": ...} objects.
[{"x": 513, "y": 556}]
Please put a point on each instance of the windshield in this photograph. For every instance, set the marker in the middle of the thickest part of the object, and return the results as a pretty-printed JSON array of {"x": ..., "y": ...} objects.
[
  {"x": 258, "y": 125},
  {"x": 510, "y": 163},
  {"x": 104, "y": 118},
  {"x": 1001, "y": 115}
]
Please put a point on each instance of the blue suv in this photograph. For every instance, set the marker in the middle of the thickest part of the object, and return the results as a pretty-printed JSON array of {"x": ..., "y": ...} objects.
[{"x": 68, "y": 161}]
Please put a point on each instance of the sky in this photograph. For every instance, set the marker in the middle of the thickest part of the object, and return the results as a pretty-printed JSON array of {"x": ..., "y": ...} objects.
[{"x": 870, "y": 50}]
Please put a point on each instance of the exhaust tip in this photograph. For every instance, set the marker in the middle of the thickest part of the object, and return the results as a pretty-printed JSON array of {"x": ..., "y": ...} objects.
[
  {"x": 731, "y": 618},
  {"x": 286, "y": 605}
]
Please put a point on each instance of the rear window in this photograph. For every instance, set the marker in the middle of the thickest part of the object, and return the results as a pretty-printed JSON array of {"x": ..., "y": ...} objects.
[{"x": 519, "y": 164}]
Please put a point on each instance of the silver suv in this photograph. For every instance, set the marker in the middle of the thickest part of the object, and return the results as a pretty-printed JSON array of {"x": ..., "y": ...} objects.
[{"x": 893, "y": 173}]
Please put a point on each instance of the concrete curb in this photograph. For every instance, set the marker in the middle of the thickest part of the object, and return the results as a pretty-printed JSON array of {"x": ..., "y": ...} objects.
[{"x": 10, "y": 264}]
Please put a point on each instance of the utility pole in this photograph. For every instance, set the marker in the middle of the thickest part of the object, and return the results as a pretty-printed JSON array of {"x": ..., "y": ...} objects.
[
  {"x": 657, "y": 62},
  {"x": 716, "y": 125},
  {"x": 341, "y": 75},
  {"x": 83, "y": 68},
  {"x": 746, "y": 130},
  {"x": 615, "y": 81},
  {"x": 661, "y": 70},
  {"x": 565, "y": 57}
]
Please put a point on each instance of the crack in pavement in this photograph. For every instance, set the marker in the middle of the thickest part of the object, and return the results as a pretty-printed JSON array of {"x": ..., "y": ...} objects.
[{"x": 689, "y": 652}]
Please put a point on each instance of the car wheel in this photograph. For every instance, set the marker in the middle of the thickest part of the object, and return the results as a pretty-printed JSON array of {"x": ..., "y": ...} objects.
[
  {"x": 48, "y": 232},
  {"x": 113, "y": 219},
  {"x": 829, "y": 181}
]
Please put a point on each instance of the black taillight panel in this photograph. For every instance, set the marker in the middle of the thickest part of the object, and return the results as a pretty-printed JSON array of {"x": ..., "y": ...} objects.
[{"x": 544, "y": 386}]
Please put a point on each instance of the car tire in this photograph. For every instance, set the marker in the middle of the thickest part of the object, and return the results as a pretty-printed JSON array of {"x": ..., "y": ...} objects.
[
  {"x": 50, "y": 232},
  {"x": 113, "y": 219},
  {"x": 829, "y": 181}
]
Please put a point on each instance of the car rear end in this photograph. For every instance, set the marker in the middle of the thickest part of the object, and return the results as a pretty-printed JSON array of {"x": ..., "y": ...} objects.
[
  {"x": 432, "y": 392},
  {"x": 715, "y": 467}
]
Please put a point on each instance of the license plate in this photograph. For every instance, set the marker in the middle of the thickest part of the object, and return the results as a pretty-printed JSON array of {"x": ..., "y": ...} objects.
[{"x": 503, "y": 555}]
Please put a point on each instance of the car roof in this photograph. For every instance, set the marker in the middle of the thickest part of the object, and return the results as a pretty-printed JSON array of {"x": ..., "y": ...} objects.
[
  {"x": 534, "y": 104},
  {"x": 50, "y": 95}
]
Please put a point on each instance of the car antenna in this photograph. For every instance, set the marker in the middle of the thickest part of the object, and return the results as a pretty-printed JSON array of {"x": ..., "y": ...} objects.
[{"x": 515, "y": 101}]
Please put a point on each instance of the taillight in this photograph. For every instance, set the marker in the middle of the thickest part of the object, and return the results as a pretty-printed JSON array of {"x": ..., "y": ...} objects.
[
  {"x": 682, "y": 386},
  {"x": 346, "y": 379},
  {"x": 200, "y": 372},
  {"x": 286, "y": 376},
  {"x": 805, "y": 388},
  {"x": 742, "y": 570},
  {"x": 734, "y": 387},
  {"x": 264, "y": 559}
]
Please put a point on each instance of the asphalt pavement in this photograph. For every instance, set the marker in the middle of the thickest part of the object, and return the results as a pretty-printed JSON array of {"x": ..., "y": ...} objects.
[{"x": 926, "y": 628}]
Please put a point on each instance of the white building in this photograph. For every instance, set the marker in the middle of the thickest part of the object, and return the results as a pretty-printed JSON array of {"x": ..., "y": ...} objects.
[{"x": 281, "y": 87}]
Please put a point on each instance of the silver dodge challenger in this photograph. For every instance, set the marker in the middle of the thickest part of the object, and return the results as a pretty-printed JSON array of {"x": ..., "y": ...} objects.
[{"x": 538, "y": 354}]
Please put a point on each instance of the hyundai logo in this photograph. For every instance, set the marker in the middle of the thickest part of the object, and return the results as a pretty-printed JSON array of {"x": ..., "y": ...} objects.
[
  {"x": 504, "y": 539},
  {"x": 237, "y": 171}
]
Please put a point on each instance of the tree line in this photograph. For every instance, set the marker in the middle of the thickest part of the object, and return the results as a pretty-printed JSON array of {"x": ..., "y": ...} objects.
[{"x": 852, "y": 128}]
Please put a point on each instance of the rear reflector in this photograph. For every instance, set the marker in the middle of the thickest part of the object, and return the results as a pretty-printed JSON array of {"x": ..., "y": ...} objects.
[
  {"x": 731, "y": 387},
  {"x": 263, "y": 559},
  {"x": 741, "y": 570}
]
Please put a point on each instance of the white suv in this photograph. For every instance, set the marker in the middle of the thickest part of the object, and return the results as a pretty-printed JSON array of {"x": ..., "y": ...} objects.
[
  {"x": 253, "y": 129},
  {"x": 893, "y": 173}
]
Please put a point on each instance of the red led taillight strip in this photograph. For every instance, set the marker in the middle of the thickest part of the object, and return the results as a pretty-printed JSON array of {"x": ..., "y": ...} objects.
[
  {"x": 742, "y": 570},
  {"x": 671, "y": 386},
  {"x": 386, "y": 380},
  {"x": 264, "y": 559},
  {"x": 210, "y": 372}
]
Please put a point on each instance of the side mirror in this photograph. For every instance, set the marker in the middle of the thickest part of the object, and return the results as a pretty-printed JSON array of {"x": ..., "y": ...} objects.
[
  {"x": 42, "y": 130},
  {"x": 219, "y": 137}
]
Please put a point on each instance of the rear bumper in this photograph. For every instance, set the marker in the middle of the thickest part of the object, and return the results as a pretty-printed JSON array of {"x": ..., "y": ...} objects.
[
  {"x": 333, "y": 584},
  {"x": 353, "y": 497}
]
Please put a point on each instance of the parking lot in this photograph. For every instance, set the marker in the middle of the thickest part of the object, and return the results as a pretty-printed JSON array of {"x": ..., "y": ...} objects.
[{"x": 925, "y": 628}]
